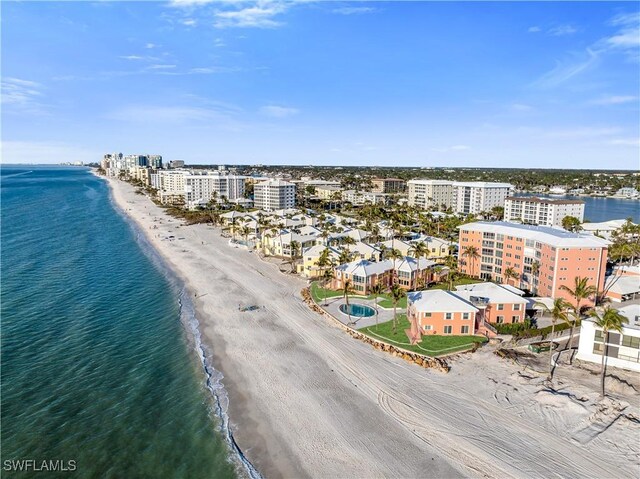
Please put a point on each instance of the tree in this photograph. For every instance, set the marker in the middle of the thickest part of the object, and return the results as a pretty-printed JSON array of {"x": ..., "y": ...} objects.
[
  {"x": 394, "y": 254},
  {"x": 571, "y": 223},
  {"x": 347, "y": 288},
  {"x": 471, "y": 252},
  {"x": 511, "y": 273},
  {"x": 419, "y": 250},
  {"x": 397, "y": 293},
  {"x": 609, "y": 320},
  {"x": 324, "y": 262},
  {"x": 558, "y": 313},
  {"x": 327, "y": 276},
  {"x": 581, "y": 290},
  {"x": 377, "y": 289},
  {"x": 295, "y": 249},
  {"x": 498, "y": 212}
]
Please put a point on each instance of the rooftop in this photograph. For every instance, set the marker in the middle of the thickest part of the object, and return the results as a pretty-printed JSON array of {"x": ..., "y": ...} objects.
[
  {"x": 439, "y": 301},
  {"x": 535, "y": 199},
  {"x": 554, "y": 236},
  {"x": 494, "y": 292}
]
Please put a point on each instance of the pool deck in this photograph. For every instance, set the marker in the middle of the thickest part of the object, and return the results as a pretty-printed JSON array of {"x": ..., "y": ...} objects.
[{"x": 333, "y": 308}]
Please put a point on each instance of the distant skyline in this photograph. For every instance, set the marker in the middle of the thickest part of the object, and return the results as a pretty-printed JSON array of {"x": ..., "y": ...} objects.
[{"x": 444, "y": 84}]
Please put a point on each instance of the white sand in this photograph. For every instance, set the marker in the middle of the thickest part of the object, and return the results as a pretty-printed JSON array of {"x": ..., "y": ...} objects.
[{"x": 307, "y": 400}]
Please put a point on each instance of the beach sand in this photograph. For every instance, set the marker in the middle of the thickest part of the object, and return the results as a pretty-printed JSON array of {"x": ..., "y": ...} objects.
[{"x": 307, "y": 400}]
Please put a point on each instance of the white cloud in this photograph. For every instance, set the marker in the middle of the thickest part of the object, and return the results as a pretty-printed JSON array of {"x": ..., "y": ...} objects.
[
  {"x": 275, "y": 111},
  {"x": 219, "y": 42},
  {"x": 354, "y": 10},
  {"x": 627, "y": 37},
  {"x": 625, "y": 142},
  {"x": 189, "y": 22},
  {"x": 162, "y": 67},
  {"x": 616, "y": 100},
  {"x": 151, "y": 45},
  {"x": 16, "y": 91},
  {"x": 562, "y": 30},
  {"x": 534, "y": 29},
  {"x": 133, "y": 57},
  {"x": 566, "y": 70},
  {"x": 583, "y": 132},
  {"x": 42, "y": 152},
  {"x": 209, "y": 115},
  {"x": 260, "y": 15},
  {"x": 521, "y": 107}
]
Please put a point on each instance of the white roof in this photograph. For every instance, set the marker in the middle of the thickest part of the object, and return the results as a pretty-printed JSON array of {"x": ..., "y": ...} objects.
[
  {"x": 628, "y": 270},
  {"x": 482, "y": 184},
  {"x": 439, "y": 301},
  {"x": 275, "y": 182},
  {"x": 366, "y": 268},
  {"x": 363, "y": 248},
  {"x": 630, "y": 312},
  {"x": 495, "y": 293},
  {"x": 412, "y": 264},
  {"x": 627, "y": 284},
  {"x": 397, "y": 244},
  {"x": 553, "y": 236},
  {"x": 604, "y": 225},
  {"x": 316, "y": 250}
]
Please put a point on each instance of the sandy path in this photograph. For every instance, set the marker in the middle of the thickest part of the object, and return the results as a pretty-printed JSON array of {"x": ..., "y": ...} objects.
[{"x": 308, "y": 400}]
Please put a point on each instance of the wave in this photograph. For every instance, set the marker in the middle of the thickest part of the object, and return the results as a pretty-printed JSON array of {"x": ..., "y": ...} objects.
[
  {"x": 17, "y": 174},
  {"x": 213, "y": 377}
]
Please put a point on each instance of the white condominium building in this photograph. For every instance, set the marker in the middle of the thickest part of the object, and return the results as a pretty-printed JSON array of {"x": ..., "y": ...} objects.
[
  {"x": 431, "y": 193},
  {"x": 475, "y": 197},
  {"x": 542, "y": 211},
  {"x": 200, "y": 189},
  {"x": 273, "y": 195},
  {"x": 472, "y": 197}
]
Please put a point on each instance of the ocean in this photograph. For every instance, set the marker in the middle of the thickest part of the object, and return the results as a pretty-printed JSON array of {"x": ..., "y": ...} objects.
[{"x": 100, "y": 368}]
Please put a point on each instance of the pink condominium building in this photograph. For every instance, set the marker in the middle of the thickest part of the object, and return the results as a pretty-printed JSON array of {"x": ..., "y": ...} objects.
[{"x": 539, "y": 258}]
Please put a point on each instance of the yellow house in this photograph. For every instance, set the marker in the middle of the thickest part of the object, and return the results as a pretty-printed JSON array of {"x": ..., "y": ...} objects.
[{"x": 309, "y": 268}]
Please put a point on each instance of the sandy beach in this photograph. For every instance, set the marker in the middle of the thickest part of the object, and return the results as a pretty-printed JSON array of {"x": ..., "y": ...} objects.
[{"x": 307, "y": 400}]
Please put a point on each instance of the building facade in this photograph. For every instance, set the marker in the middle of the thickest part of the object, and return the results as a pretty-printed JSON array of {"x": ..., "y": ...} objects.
[
  {"x": 273, "y": 195},
  {"x": 473, "y": 198},
  {"x": 388, "y": 185},
  {"x": 437, "y": 194},
  {"x": 200, "y": 189},
  {"x": 541, "y": 211},
  {"x": 542, "y": 259}
]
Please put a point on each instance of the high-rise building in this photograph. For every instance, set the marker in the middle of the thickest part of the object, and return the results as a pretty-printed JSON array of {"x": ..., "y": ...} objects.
[
  {"x": 200, "y": 189},
  {"x": 542, "y": 211},
  {"x": 475, "y": 197},
  {"x": 388, "y": 185},
  {"x": 431, "y": 193},
  {"x": 537, "y": 258},
  {"x": 273, "y": 195}
]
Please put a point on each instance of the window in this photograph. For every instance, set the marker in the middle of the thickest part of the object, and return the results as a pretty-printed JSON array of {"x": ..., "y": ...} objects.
[
  {"x": 448, "y": 316},
  {"x": 428, "y": 327},
  {"x": 447, "y": 329},
  {"x": 516, "y": 307},
  {"x": 631, "y": 341},
  {"x": 465, "y": 315},
  {"x": 464, "y": 330},
  {"x": 515, "y": 319},
  {"x": 500, "y": 307},
  {"x": 597, "y": 348},
  {"x": 500, "y": 319},
  {"x": 427, "y": 315}
]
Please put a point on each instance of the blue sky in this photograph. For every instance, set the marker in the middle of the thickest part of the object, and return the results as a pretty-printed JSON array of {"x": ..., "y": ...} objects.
[{"x": 351, "y": 83}]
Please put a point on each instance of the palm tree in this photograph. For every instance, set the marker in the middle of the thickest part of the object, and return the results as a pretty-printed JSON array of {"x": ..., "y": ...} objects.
[
  {"x": 471, "y": 252},
  {"x": 295, "y": 249},
  {"x": 347, "y": 288},
  {"x": 558, "y": 313},
  {"x": 327, "y": 276},
  {"x": 581, "y": 290},
  {"x": 419, "y": 250},
  {"x": 324, "y": 262},
  {"x": 510, "y": 273},
  {"x": 397, "y": 293},
  {"x": 535, "y": 269},
  {"x": 394, "y": 254},
  {"x": 376, "y": 290},
  {"x": 610, "y": 320}
]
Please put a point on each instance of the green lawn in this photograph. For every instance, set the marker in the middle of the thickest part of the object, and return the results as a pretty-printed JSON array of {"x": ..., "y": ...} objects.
[
  {"x": 384, "y": 300},
  {"x": 429, "y": 345}
]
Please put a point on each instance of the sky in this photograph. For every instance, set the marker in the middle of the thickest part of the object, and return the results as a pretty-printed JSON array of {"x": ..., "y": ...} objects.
[{"x": 505, "y": 84}]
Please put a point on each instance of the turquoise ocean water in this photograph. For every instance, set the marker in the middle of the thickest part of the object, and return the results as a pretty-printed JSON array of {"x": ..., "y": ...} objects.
[{"x": 99, "y": 365}]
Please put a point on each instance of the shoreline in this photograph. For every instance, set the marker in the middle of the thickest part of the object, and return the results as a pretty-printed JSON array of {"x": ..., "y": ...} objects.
[{"x": 306, "y": 400}]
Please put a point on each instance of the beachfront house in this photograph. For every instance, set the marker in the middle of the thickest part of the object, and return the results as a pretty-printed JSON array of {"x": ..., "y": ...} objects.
[
  {"x": 497, "y": 303},
  {"x": 439, "y": 312},
  {"x": 310, "y": 257}
]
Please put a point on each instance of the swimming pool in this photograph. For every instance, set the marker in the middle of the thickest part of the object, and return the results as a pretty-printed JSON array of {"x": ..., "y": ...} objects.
[{"x": 358, "y": 310}]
